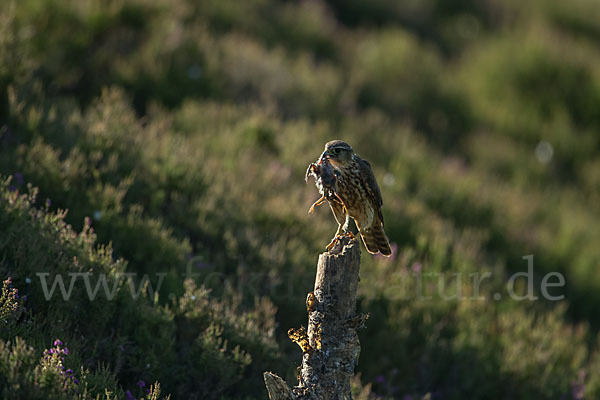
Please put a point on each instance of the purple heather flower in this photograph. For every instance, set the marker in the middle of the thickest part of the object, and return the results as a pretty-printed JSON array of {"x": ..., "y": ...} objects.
[
  {"x": 66, "y": 351},
  {"x": 48, "y": 203},
  {"x": 379, "y": 379},
  {"x": 141, "y": 383},
  {"x": 122, "y": 348},
  {"x": 57, "y": 342},
  {"x": 69, "y": 371},
  {"x": 129, "y": 395},
  {"x": 12, "y": 188}
]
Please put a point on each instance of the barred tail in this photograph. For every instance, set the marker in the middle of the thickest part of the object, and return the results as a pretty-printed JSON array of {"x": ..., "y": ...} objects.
[
  {"x": 369, "y": 241},
  {"x": 375, "y": 240}
]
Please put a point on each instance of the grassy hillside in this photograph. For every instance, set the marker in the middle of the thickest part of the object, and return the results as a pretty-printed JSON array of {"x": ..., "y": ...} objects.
[{"x": 170, "y": 138}]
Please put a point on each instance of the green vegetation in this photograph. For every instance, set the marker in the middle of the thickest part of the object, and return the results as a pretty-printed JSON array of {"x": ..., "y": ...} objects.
[{"x": 171, "y": 137}]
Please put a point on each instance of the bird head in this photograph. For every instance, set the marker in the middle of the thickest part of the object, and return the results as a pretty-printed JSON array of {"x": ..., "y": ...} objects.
[{"x": 338, "y": 153}]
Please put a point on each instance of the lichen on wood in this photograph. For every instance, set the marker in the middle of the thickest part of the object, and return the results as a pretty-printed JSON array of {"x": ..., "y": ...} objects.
[{"x": 330, "y": 345}]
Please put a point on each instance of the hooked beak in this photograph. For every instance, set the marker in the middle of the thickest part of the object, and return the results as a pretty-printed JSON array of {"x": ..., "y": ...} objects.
[{"x": 325, "y": 155}]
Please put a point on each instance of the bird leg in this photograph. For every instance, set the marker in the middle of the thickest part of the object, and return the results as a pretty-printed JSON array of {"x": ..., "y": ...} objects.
[
  {"x": 345, "y": 227},
  {"x": 345, "y": 230},
  {"x": 336, "y": 237},
  {"x": 341, "y": 232}
]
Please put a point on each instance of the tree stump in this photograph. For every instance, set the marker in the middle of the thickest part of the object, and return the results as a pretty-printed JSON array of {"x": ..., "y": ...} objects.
[{"x": 330, "y": 346}]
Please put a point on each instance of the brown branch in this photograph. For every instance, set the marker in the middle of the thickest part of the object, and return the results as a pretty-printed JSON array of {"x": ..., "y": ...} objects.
[{"x": 330, "y": 346}]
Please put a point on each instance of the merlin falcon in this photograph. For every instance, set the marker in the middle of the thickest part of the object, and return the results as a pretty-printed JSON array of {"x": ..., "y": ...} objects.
[{"x": 348, "y": 184}]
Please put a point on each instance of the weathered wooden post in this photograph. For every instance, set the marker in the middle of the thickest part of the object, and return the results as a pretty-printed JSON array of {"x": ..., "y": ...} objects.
[{"x": 330, "y": 346}]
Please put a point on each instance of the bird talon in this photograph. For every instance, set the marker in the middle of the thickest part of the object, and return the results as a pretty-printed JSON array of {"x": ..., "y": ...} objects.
[
  {"x": 332, "y": 243},
  {"x": 339, "y": 236}
]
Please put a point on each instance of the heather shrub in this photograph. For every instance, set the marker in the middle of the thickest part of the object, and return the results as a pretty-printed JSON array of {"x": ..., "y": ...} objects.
[
  {"x": 143, "y": 345},
  {"x": 398, "y": 74}
]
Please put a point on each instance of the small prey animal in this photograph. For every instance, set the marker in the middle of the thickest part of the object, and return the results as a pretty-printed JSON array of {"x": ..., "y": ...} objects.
[{"x": 325, "y": 179}]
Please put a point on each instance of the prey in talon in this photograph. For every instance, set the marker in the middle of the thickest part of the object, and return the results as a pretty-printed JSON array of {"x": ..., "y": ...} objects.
[{"x": 325, "y": 179}]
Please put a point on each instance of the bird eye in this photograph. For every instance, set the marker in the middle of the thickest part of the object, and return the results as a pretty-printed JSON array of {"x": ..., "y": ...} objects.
[{"x": 336, "y": 151}]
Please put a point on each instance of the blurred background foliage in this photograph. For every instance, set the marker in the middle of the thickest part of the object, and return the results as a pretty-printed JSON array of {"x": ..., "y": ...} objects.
[{"x": 176, "y": 133}]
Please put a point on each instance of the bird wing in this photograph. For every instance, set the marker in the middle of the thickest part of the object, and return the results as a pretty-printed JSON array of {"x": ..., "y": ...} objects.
[{"x": 369, "y": 182}]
